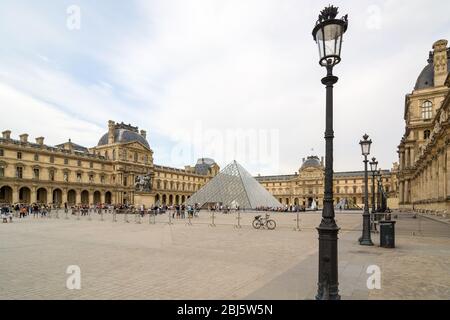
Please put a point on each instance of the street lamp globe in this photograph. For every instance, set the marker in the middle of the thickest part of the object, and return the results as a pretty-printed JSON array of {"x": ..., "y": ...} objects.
[
  {"x": 328, "y": 34},
  {"x": 365, "y": 145},
  {"x": 373, "y": 165}
]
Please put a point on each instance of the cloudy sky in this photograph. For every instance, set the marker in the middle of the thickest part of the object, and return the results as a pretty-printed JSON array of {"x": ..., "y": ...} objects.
[{"x": 234, "y": 79}]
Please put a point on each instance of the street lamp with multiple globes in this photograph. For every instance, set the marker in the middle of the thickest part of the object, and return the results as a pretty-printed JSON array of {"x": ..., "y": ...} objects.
[
  {"x": 373, "y": 168},
  {"x": 366, "y": 240},
  {"x": 328, "y": 33}
]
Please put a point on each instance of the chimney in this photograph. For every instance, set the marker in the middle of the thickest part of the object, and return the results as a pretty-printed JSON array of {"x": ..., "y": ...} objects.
[
  {"x": 40, "y": 141},
  {"x": 24, "y": 138},
  {"x": 111, "y": 127},
  {"x": 321, "y": 161},
  {"x": 68, "y": 145},
  {"x": 440, "y": 62},
  {"x": 144, "y": 134},
  {"x": 7, "y": 134}
]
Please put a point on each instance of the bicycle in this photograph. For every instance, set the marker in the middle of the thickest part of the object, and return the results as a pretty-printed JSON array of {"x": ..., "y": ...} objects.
[{"x": 264, "y": 222}]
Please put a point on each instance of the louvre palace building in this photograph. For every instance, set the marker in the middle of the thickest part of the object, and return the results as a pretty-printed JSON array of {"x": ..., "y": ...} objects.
[
  {"x": 307, "y": 185},
  {"x": 424, "y": 149},
  {"x": 118, "y": 170}
]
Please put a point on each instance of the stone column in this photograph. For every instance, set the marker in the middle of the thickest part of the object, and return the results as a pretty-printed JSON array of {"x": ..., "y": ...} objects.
[
  {"x": 402, "y": 158},
  {"x": 400, "y": 192},
  {"x": 64, "y": 196},
  {"x": 15, "y": 194},
  {"x": 405, "y": 192},
  {"x": 408, "y": 158},
  {"x": 102, "y": 196},
  {"x": 91, "y": 197},
  {"x": 78, "y": 197},
  {"x": 33, "y": 195},
  {"x": 412, "y": 157}
]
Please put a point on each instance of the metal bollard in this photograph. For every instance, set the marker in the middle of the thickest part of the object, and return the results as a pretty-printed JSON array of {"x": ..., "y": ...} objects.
[
  {"x": 212, "y": 224},
  {"x": 114, "y": 212},
  {"x": 238, "y": 226},
  {"x": 89, "y": 215},
  {"x": 126, "y": 217},
  {"x": 170, "y": 219},
  {"x": 189, "y": 223},
  {"x": 67, "y": 214},
  {"x": 57, "y": 214},
  {"x": 297, "y": 228},
  {"x": 138, "y": 217},
  {"x": 101, "y": 215}
]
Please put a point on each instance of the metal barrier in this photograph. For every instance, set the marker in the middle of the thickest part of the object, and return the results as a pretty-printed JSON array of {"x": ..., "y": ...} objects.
[
  {"x": 125, "y": 218},
  {"x": 137, "y": 217},
  {"x": 114, "y": 212},
  {"x": 189, "y": 223},
  {"x": 170, "y": 219},
  {"x": 297, "y": 219},
  {"x": 78, "y": 212},
  {"x": 238, "y": 225},
  {"x": 212, "y": 224}
]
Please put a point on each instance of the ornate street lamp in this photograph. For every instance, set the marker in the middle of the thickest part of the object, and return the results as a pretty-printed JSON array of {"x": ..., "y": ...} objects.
[
  {"x": 328, "y": 34},
  {"x": 365, "y": 240},
  {"x": 373, "y": 168}
]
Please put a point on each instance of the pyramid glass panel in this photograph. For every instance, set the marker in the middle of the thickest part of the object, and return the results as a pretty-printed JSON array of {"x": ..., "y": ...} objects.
[{"x": 234, "y": 186}]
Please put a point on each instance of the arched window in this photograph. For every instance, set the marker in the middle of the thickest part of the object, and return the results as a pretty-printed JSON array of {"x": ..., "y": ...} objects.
[
  {"x": 427, "y": 110},
  {"x": 426, "y": 134}
]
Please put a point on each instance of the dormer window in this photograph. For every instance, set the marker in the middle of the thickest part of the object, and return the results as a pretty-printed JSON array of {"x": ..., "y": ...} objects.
[{"x": 427, "y": 110}]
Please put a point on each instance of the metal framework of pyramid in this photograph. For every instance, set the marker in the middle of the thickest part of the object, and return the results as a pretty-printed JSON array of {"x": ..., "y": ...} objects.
[{"x": 234, "y": 186}]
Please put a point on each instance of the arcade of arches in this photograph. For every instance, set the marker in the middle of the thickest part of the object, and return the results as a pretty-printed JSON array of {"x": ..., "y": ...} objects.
[{"x": 57, "y": 196}]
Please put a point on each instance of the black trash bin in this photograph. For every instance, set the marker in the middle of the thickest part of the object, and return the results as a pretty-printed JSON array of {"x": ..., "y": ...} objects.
[{"x": 387, "y": 234}]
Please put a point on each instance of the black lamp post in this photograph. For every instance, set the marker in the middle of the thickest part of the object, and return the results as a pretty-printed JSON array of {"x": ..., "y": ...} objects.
[
  {"x": 373, "y": 168},
  {"x": 365, "y": 240},
  {"x": 328, "y": 34},
  {"x": 379, "y": 184}
]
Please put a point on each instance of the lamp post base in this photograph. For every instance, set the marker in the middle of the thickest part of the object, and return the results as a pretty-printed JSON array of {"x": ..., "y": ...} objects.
[
  {"x": 365, "y": 242},
  {"x": 328, "y": 286}
]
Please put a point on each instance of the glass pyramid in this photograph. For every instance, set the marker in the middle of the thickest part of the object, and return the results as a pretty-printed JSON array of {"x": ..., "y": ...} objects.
[{"x": 234, "y": 186}]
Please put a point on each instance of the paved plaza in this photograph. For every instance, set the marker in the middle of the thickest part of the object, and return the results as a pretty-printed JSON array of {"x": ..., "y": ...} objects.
[{"x": 121, "y": 260}]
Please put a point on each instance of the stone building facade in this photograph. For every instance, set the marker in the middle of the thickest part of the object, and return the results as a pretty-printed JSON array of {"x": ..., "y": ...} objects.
[
  {"x": 307, "y": 185},
  {"x": 424, "y": 147},
  {"x": 118, "y": 170}
]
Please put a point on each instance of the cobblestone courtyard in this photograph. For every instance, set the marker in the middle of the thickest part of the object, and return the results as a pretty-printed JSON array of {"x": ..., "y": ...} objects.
[{"x": 120, "y": 260}]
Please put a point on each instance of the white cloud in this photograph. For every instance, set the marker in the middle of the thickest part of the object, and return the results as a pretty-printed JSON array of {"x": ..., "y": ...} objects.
[{"x": 233, "y": 65}]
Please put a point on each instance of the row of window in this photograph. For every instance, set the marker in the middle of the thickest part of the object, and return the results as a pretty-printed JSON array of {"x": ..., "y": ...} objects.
[
  {"x": 51, "y": 175},
  {"x": 176, "y": 186},
  {"x": 175, "y": 176},
  {"x": 51, "y": 159}
]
